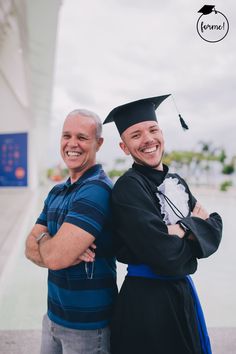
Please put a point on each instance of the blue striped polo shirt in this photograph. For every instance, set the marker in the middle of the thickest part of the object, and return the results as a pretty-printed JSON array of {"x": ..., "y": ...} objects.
[{"x": 82, "y": 296}]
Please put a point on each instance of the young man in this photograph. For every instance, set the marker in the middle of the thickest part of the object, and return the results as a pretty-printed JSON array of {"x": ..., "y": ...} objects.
[
  {"x": 160, "y": 231},
  {"x": 73, "y": 226}
]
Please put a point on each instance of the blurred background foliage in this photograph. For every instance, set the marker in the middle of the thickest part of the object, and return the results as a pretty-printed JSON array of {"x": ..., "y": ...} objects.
[{"x": 206, "y": 165}]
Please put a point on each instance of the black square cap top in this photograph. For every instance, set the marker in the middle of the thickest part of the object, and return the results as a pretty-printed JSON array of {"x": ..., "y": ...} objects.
[
  {"x": 206, "y": 9},
  {"x": 135, "y": 112}
]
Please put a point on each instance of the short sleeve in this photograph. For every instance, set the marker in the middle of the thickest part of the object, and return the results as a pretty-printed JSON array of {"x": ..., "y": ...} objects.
[
  {"x": 42, "y": 219},
  {"x": 90, "y": 207}
]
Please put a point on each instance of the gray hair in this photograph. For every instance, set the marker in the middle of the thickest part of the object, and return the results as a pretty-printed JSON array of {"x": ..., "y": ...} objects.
[{"x": 89, "y": 114}]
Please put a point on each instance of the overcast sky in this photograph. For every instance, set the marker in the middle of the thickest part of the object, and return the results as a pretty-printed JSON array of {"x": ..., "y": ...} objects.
[{"x": 110, "y": 52}]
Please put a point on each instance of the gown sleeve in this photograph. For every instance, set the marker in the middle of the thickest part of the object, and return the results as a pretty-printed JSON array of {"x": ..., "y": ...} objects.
[
  {"x": 141, "y": 236},
  {"x": 208, "y": 233}
]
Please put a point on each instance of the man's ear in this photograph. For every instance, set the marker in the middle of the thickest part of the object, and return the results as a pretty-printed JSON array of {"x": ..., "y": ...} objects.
[
  {"x": 99, "y": 143},
  {"x": 124, "y": 148}
]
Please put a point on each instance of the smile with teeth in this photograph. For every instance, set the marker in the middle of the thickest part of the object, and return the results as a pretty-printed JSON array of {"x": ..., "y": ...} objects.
[
  {"x": 73, "y": 153},
  {"x": 149, "y": 150}
]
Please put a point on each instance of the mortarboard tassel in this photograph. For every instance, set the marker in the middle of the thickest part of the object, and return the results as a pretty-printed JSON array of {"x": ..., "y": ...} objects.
[{"x": 182, "y": 122}]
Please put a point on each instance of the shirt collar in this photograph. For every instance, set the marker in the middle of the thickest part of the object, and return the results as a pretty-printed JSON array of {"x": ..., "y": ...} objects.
[
  {"x": 86, "y": 175},
  {"x": 155, "y": 175}
]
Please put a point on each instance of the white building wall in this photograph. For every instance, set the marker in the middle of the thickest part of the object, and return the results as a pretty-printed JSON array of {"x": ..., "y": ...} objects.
[
  {"x": 14, "y": 100},
  {"x": 27, "y": 49},
  {"x": 14, "y": 116}
]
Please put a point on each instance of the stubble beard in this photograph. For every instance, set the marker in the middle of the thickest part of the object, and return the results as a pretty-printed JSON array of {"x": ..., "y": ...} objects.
[{"x": 154, "y": 166}]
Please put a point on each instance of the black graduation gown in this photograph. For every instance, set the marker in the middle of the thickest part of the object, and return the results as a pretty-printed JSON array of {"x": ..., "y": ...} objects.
[{"x": 156, "y": 316}]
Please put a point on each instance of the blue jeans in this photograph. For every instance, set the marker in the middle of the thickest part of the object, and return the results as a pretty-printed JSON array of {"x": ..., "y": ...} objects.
[{"x": 61, "y": 340}]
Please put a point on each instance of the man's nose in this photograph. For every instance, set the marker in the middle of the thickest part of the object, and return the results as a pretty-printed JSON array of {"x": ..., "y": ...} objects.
[
  {"x": 147, "y": 137},
  {"x": 73, "y": 141}
]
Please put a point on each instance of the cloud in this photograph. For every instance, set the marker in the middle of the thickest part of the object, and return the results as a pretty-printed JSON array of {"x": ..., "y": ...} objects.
[{"x": 111, "y": 52}]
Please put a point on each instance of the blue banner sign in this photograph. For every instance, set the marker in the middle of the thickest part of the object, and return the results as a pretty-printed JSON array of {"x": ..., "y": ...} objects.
[{"x": 13, "y": 160}]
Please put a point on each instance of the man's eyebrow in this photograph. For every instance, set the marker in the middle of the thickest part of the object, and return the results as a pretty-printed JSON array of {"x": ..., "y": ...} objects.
[
  {"x": 79, "y": 134},
  {"x": 134, "y": 132},
  {"x": 83, "y": 135},
  {"x": 154, "y": 126},
  {"x": 138, "y": 130}
]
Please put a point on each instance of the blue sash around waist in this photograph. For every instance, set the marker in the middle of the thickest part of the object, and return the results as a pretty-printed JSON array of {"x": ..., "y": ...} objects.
[{"x": 142, "y": 270}]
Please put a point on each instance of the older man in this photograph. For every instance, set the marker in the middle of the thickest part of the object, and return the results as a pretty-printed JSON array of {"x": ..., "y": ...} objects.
[
  {"x": 160, "y": 231},
  {"x": 74, "y": 225}
]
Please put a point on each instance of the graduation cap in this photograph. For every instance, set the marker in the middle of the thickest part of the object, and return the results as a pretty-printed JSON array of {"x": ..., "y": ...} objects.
[
  {"x": 207, "y": 9},
  {"x": 131, "y": 113}
]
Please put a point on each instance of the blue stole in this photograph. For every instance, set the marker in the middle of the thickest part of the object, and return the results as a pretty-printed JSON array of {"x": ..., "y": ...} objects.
[{"x": 142, "y": 270}]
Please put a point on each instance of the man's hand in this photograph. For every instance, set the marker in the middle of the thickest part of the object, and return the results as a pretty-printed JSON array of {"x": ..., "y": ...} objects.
[
  {"x": 176, "y": 230},
  {"x": 200, "y": 212},
  {"x": 87, "y": 256}
]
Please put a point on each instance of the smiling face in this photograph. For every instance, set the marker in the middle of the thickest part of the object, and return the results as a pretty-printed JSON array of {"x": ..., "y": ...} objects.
[
  {"x": 145, "y": 143},
  {"x": 79, "y": 144}
]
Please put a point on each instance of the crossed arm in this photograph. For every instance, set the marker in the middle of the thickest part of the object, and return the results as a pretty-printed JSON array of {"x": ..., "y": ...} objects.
[
  {"x": 198, "y": 211},
  {"x": 70, "y": 246}
]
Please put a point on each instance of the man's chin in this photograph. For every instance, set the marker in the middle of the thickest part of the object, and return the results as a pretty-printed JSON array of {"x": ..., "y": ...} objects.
[{"x": 155, "y": 165}]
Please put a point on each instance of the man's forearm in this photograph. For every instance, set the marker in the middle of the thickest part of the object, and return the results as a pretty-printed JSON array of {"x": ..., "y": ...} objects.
[
  {"x": 32, "y": 251},
  {"x": 68, "y": 247},
  {"x": 49, "y": 254}
]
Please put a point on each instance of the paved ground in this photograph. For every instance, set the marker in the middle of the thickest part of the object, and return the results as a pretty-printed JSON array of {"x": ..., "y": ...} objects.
[
  {"x": 18, "y": 209},
  {"x": 223, "y": 340},
  {"x": 19, "y": 342},
  {"x": 14, "y": 204},
  {"x": 28, "y": 342}
]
